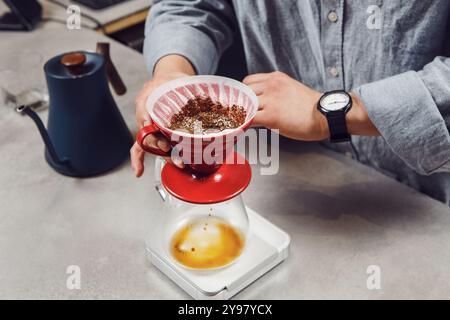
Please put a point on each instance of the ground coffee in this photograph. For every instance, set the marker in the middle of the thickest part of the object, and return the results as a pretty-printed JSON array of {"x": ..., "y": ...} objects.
[{"x": 202, "y": 115}]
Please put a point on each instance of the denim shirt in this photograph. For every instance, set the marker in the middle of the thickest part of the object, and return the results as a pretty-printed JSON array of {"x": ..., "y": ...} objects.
[{"x": 393, "y": 54}]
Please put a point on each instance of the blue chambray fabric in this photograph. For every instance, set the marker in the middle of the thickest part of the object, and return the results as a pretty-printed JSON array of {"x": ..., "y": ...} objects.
[{"x": 393, "y": 54}]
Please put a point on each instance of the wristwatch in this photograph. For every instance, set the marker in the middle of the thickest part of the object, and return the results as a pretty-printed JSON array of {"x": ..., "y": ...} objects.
[{"x": 334, "y": 105}]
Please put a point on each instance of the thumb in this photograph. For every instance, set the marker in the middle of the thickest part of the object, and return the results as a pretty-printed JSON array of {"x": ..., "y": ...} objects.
[{"x": 142, "y": 115}]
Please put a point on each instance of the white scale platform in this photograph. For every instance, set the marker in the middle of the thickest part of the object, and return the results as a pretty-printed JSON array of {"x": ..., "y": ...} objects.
[{"x": 267, "y": 246}]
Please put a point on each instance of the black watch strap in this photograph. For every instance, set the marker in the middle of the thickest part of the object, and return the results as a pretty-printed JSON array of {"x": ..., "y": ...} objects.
[{"x": 338, "y": 127}]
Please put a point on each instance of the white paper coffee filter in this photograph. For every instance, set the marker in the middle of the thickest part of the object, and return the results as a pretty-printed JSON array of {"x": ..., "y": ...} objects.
[{"x": 169, "y": 98}]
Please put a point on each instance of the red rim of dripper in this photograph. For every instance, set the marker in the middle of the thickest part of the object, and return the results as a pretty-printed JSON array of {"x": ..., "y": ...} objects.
[{"x": 227, "y": 182}]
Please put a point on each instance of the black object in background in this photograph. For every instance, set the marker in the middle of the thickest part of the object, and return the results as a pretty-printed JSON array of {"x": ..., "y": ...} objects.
[
  {"x": 99, "y": 4},
  {"x": 24, "y": 15},
  {"x": 132, "y": 37},
  {"x": 232, "y": 63}
]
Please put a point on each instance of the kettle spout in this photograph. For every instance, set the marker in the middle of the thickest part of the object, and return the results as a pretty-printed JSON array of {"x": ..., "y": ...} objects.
[{"x": 44, "y": 134}]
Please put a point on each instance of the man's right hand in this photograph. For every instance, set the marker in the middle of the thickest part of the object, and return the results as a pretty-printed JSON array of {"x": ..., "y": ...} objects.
[{"x": 168, "y": 68}]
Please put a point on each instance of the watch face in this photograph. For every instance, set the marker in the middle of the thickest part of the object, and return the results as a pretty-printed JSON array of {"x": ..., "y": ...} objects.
[{"x": 335, "y": 101}]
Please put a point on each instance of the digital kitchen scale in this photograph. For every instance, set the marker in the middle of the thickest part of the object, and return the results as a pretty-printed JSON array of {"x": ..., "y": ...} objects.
[{"x": 267, "y": 246}]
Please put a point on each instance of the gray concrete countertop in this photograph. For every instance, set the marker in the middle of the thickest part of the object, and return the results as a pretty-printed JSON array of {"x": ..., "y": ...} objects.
[{"x": 342, "y": 216}]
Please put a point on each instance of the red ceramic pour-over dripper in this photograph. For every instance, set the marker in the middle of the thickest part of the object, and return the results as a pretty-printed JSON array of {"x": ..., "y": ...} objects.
[
  {"x": 204, "y": 180},
  {"x": 203, "y": 153}
]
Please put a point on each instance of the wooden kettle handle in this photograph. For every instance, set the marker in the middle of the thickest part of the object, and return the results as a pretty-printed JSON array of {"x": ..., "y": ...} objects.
[{"x": 113, "y": 76}]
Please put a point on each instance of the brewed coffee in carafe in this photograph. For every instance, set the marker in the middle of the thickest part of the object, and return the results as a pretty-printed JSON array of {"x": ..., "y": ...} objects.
[{"x": 199, "y": 231}]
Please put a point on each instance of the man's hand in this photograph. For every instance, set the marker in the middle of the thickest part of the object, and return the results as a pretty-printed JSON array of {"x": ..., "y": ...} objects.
[
  {"x": 168, "y": 68},
  {"x": 290, "y": 106}
]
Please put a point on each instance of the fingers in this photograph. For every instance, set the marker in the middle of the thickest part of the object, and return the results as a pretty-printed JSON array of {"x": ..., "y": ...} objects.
[
  {"x": 137, "y": 159},
  {"x": 258, "y": 87},
  {"x": 163, "y": 144},
  {"x": 155, "y": 141},
  {"x": 257, "y": 77},
  {"x": 138, "y": 154}
]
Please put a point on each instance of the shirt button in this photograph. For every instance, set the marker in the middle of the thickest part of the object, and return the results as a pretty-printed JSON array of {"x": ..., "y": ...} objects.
[
  {"x": 334, "y": 72},
  {"x": 332, "y": 16}
]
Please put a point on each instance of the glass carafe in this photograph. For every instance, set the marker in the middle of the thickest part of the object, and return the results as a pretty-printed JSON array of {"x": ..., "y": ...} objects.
[{"x": 199, "y": 236}]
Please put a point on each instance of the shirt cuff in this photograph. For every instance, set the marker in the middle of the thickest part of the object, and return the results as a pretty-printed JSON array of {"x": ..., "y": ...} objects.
[
  {"x": 404, "y": 112},
  {"x": 184, "y": 40}
]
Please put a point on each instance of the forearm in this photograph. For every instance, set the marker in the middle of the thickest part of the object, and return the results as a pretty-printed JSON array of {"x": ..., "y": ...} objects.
[
  {"x": 198, "y": 30},
  {"x": 173, "y": 64}
]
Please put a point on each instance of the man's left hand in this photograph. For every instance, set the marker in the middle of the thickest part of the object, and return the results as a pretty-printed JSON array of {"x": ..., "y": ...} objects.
[
  {"x": 291, "y": 107},
  {"x": 288, "y": 105}
]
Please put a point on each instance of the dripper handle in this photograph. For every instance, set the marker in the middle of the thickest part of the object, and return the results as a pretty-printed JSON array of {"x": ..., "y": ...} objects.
[
  {"x": 143, "y": 133},
  {"x": 113, "y": 76}
]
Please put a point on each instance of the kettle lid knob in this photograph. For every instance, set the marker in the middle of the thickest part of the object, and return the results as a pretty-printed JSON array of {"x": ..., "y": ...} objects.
[{"x": 74, "y": 61}]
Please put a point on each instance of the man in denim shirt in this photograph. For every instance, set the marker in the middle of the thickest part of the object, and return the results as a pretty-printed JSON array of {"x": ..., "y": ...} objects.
[{"x": 391, "y": 56}]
